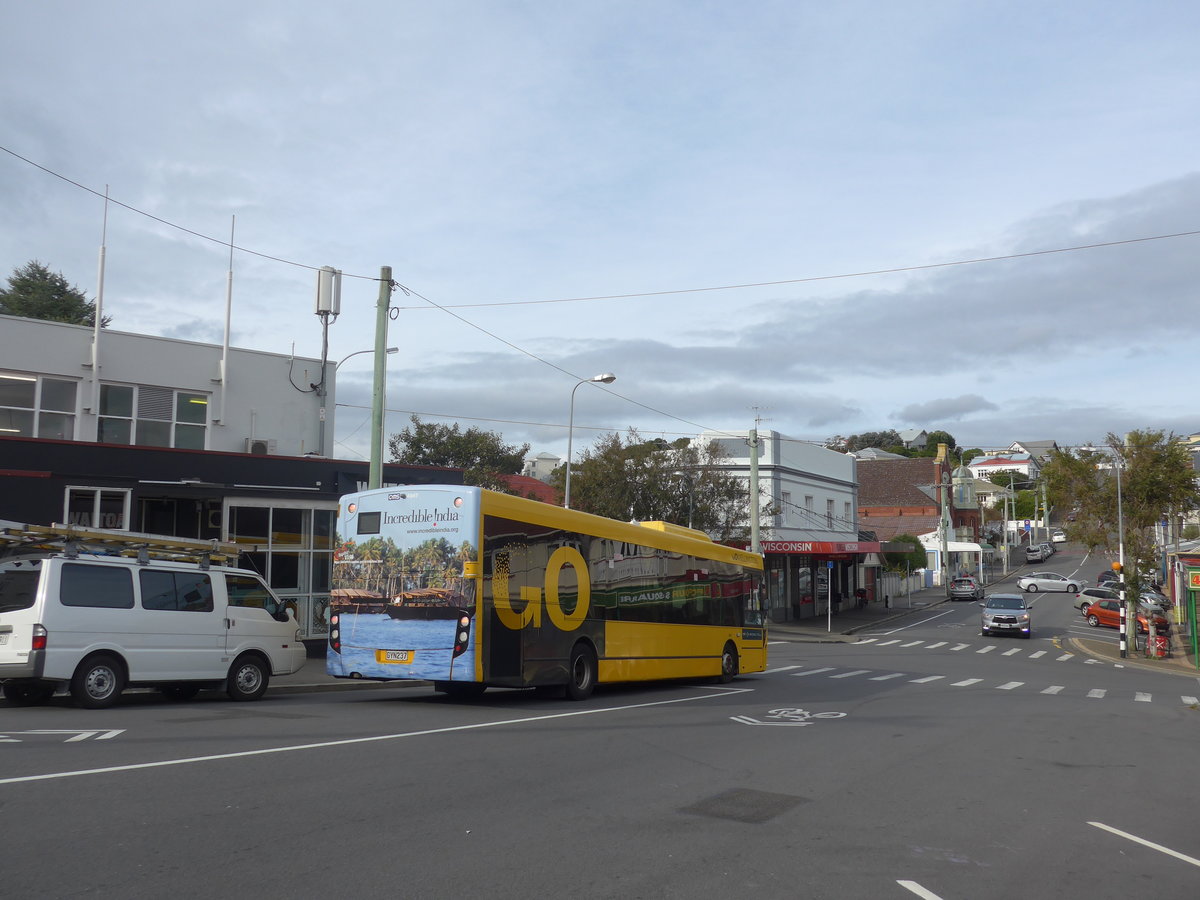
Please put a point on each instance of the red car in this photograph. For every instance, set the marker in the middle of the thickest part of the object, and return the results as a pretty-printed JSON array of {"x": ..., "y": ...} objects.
[{"x": 1108, "y": 612}]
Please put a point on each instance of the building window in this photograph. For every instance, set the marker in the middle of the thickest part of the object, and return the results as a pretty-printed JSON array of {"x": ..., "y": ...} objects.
[
  {"x": 102, "y": 508},
  {"x": 849, "y": 523},
  {"x": 152, "y": 417},
  {"x": 785, "y": 504},
  {"x": 829, "y": 514},
  {"x": 37, "y": 406},
  {"x": 293, "y": 551}
]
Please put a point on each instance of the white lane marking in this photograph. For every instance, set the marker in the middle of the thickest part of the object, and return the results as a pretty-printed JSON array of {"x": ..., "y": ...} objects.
[
  {"x": 867, "y": 641},
  {"x": 1145, "y": 843},
  {"x": 988, "y": 649},
  {"x": 1037, "y": 654},
  {"x": 887, "y": 677},
  {"x": 1009, "y": 685},
  {"x": 915, "y": 624},
  {"x": 781, "y": 669},
  {"x": 1097, "y": 693},
  {"x": 927, "y": 679},
  {"x": 918, "y": 890},
  {"x": 346, "y": 742},
  {"x": 813, "y": 671},
  {"x": 967, "y": 683},
  {"x": 960, "y": 647},
  {"x": 1065, "y": 656},
  {"x": 1012, "y": 652},
  {"x": 1189, "y": 701},
  {"x": 912, "y": 644},
  {"x": 851, "y": 674},
  {"x": 1141, "y": 697},
  {"x": 1053, "y": 689},
  {"x": 888, "y": 643},
  {"x": 935, "y": 646}
]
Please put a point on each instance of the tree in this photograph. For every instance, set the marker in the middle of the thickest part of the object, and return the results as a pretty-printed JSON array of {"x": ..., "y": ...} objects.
[
  {"x": 679, "y": 482},
  {"x": 904, "y": 562},
  {"x": 882, "y": 440},
  {"x": 35, "y": 292},
  {"x": 933, "y": 438},
  {"x": 482, "y": 455},
  {"x": 1156, "y": 480}
]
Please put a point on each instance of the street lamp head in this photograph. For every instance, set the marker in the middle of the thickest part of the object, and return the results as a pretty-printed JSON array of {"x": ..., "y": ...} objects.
[{"x": 606, "y": 378}]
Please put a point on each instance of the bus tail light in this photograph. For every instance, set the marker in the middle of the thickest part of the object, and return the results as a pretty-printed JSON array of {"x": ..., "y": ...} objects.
[
  {"x": 462, "y": 634},
  {"x": 335, "y": 633}
]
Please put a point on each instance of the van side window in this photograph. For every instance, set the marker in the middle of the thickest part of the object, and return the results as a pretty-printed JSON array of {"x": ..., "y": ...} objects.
[
  {"x": 101, "y": 586},
  {"x": 246, "y": 590},
  {"x": 185, "y": 591}
]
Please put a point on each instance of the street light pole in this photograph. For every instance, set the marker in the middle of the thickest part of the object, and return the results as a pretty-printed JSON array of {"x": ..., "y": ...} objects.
[{"x": 605, "y": 378}]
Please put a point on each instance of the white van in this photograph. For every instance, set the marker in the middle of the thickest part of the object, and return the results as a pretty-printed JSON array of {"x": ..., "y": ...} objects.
[{"x": 77, "y": 615}]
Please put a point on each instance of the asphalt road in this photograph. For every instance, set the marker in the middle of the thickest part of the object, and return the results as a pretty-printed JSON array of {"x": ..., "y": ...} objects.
[{"x": 923, "y": 760}]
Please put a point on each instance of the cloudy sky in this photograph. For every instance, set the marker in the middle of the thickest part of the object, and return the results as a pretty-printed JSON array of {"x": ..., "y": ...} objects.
[{"x": 835, "y": 217}]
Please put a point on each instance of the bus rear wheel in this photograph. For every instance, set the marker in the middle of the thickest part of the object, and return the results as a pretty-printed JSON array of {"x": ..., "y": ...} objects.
[
  {"x": 729, "y": 663},
  {"x": 581, "y": 674}
]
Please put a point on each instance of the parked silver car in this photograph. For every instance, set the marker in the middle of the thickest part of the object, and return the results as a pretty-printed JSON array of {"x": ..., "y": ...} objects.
[
  {"x": 1048, "y": 581},
  {"x": 966, "y": 588},
  {"x": 1006, "y": 614}
]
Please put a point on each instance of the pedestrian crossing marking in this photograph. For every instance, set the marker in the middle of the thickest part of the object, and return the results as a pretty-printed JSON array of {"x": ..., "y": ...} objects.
[
  {"x": 988, "y": 649},
  {"x": 887, "y": 677},
  {"x": 967, "y": 683},
  {"x": 867, "y": 641},
  {"x": 1012, "y": 651},
  {"x": 1009, "y": 685},
  {"x": 927, "y": 679},
  {"x": 1141, "y": 697},
  {"x": 913, "y": 644},
  {"x": 851, "y": 674},
  {"x": 1190, "y": 701},
  {"x": 888, "y": 643},
  {"x": 813, "y": 671},
  {"x": 1097, "y": 693},
  {"x": 1065, "y": 656},
  {"x": 1054, "y": 689},
  {"x": 1037, "y": 654},
  {"x": 935, "y": 646},
  {"x": 960, "y": 647}
]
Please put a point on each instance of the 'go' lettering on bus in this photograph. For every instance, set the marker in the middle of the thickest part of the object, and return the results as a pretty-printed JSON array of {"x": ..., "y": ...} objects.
[{"x": 532, "y": 596}]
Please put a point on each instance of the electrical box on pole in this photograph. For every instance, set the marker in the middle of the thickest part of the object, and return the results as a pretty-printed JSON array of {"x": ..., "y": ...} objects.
[{"x": 329, "y": 292}]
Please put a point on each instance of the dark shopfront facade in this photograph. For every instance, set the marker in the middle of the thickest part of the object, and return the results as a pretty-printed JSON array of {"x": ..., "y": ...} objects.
[
  {"x": 280, "y": 509},
  {"x": 804, "y": 577}
]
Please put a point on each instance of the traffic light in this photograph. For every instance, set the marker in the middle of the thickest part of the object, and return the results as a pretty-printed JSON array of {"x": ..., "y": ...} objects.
[{"x": 462, "y": 634}]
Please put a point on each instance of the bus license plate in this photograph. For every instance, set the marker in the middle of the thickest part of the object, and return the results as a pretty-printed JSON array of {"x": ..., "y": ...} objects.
[{"x": 401, "y": 657}]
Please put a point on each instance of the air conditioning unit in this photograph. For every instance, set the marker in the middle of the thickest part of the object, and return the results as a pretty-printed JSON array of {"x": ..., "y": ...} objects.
[{"x": 260, "y": 446}]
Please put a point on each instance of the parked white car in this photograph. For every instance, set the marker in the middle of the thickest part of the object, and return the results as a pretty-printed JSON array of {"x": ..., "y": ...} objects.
[{"x": 1049, "y": 581}]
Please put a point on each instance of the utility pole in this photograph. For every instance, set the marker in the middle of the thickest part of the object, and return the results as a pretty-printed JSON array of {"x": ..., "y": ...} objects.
[
  {"x": 375, "y": 474},
  {"x": 755, "y": 545}
]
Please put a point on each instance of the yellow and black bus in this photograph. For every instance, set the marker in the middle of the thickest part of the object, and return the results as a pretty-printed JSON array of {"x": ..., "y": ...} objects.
[{"x": 466, "y": 588}]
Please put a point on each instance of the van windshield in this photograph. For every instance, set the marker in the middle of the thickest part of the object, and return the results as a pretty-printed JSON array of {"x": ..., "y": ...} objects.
[{"x": 17, "y": 589}]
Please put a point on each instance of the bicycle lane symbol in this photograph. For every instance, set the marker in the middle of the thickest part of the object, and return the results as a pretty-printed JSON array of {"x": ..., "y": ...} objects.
[{"x": 788, "y": 717}]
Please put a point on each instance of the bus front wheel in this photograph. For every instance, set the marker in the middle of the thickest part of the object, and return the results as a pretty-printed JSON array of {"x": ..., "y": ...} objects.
[
  {"x": 729, "y": 663},
  {"x": 581, "y": 675}
]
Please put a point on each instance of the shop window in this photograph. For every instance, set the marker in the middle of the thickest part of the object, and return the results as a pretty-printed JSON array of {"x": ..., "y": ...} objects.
[{"x": 101, "y": 508}]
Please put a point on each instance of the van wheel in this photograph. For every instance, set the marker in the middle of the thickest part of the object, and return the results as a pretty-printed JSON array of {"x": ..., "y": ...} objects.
[
  {"x": 581, "y": 675},
  {"x": 729, "y": 664},
  {"x": 98, "y": 682},
  {"x": 248, "y": 678},
  {"x": 179, "y": 692},
  {"x": 27, "y": 693}
]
